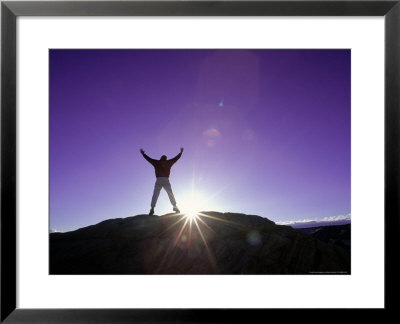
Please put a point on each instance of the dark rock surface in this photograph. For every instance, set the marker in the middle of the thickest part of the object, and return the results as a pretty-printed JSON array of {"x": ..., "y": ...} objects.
[
  {"x": 213, "y": 243},
  {"x": 339, "y": 235}
]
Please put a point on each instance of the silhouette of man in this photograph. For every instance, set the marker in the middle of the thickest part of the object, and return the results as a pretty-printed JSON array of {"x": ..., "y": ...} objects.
[{"x": 162, "y": 168}]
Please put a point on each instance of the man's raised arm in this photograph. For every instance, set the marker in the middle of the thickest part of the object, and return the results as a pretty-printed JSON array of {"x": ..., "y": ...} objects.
[
  {"x": 176, "y": 158},
  {"x": 148, "y": 158}
]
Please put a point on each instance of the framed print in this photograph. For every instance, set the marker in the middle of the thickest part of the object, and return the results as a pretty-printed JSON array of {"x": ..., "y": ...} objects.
[{"x": 271, "y": 126}]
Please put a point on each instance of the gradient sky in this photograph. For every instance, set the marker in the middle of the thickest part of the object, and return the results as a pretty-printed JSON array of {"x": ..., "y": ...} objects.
[{"x": 265, "y": 132}]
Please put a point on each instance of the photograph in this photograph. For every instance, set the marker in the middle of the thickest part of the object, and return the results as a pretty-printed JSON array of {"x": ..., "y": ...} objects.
[{"x": 199, "y": 161}]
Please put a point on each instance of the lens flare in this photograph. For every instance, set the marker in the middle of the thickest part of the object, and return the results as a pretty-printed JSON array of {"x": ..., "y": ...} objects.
[{"x": 211, "y": 133}]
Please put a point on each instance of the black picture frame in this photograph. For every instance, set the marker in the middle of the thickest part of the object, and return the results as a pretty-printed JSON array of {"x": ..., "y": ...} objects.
[{"x": 10, "y": 10}]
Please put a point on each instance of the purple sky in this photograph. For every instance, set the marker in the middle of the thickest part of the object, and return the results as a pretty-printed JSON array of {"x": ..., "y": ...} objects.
[{"x": 265, "y": 132}]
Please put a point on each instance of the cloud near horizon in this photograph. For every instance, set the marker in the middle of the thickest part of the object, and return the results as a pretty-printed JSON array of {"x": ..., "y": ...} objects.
[
  {"x": 330, "y": 219},
  {"x": 55, "y": 231}
]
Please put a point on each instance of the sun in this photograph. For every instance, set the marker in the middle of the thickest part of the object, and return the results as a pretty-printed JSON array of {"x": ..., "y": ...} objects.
[
  {"x": 192, "y": 204},
  {"x": 191, "y": 208}
]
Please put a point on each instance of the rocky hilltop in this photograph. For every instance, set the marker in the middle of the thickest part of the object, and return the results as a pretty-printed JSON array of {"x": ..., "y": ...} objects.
[{"x": 210, "y": 243}]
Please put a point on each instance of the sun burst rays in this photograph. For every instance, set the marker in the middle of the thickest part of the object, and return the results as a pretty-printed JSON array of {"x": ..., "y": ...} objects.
[{"x": 189, "y": 230}]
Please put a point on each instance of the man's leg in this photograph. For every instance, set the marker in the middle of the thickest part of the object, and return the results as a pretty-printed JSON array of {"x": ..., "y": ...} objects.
[
  {"x": 168, "y": 189},
  {"x": 156, "y": 193}
]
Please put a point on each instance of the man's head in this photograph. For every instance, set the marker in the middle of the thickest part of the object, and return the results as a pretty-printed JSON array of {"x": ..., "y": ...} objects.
[{"x": 163, "y": 158}]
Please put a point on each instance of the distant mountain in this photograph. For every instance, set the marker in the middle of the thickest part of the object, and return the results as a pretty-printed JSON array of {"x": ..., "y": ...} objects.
[
  {"x": 212, "y": 243},
  {"x": 319, "y": 223}
]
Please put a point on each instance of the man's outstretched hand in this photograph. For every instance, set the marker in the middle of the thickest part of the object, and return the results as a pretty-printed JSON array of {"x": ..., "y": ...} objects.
[
  {"x": 181, "y": 149},
  {"x": 141, "y": 151}
]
